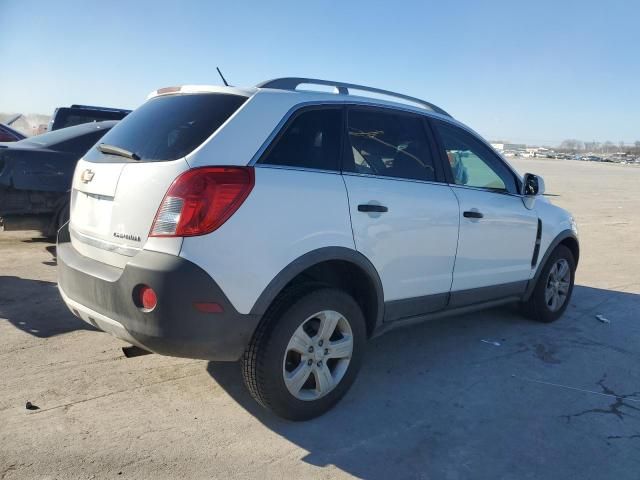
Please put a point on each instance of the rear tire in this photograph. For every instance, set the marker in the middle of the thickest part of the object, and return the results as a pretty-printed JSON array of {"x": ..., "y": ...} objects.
[
  {"x": 306, "y": 352},
  {"x": 552, "y": 293},
  {"x": 59, "y": 218},
  {"x": 63, "y": 215}
]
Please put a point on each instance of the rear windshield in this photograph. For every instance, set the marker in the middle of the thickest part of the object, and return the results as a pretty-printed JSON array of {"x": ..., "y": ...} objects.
[{"x": 170, "y": 127}]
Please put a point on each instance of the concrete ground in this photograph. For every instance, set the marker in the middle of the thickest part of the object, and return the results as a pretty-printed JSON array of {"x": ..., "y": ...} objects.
[{"x": 432, "y": 401}]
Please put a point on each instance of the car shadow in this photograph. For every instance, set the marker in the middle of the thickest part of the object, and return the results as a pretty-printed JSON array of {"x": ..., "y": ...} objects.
[
  {"x": 54, "y": 257},
  {"x": 35, "y": 307},
  {"x": 41, "y": 239},
  {"x": 432, "y": 400}
]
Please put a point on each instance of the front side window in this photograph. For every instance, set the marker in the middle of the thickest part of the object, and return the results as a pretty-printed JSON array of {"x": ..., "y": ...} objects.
[
  {"x": 389, "y": 144},
  {"x": 311, "y": 140},
  {"x": 472, "y": 163}
]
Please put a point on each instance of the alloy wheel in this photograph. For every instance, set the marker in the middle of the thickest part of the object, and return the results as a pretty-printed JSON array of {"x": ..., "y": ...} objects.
[
  {"x": 558, "y": 284},
  {"x": 318, "y": 355}
]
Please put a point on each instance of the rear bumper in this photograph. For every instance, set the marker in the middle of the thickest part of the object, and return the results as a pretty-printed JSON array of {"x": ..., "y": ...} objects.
[{"x": 102, "y": 295}]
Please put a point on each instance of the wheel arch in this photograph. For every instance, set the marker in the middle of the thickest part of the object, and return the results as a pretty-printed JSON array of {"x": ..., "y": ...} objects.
[
  {"x": 567, "y": 238},
  {"x": 340, "y": 267}
]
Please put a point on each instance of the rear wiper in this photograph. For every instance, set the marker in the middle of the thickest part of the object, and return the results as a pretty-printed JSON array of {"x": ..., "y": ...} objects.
[{"x": 121, "y": 152}]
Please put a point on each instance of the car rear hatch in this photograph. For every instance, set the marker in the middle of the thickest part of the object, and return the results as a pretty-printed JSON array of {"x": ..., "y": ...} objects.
[{"x": 120, "y": 183}]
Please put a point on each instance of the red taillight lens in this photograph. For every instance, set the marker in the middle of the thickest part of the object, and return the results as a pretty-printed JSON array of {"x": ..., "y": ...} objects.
[
  {"x": 208, "y": 307},
  {"x": 200, "y": 200},
  {"x": 147, "y": 297}
]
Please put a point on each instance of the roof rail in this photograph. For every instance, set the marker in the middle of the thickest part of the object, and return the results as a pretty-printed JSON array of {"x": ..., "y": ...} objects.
[{"x": 291, "y": 83}]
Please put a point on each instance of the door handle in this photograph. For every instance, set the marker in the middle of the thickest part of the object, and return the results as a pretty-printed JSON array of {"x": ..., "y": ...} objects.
[
  {"x": 368, "y": 207},
  {"x": 473, "y": 214}
]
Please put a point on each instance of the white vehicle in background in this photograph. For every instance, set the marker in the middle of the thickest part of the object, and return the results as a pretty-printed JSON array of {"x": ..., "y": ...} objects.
[{"x": 284, "y": 228}]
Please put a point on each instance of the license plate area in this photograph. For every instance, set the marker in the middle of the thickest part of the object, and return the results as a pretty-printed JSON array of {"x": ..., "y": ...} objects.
[{"x": 92, "y": 213}]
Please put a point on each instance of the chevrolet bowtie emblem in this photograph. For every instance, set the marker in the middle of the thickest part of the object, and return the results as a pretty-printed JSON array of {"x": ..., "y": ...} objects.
[{"x": 87, "y": 175}]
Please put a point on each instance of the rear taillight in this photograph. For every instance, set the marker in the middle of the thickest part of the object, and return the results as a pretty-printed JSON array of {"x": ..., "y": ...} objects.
[{"x": 200, "y": 200}]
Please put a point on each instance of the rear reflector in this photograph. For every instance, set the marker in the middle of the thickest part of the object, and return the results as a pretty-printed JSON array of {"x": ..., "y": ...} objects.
[
  {"x": 208, "y": 307},
  {"x": 200, "y": 200},
  {"x": 145, "y": 297}
]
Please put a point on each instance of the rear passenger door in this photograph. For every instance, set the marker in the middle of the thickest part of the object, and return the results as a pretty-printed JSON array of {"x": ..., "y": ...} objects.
[
  {"x": 404, "y": 217},
  {"x": 299, "y": 202},
  {"x": 497, "y": 231}
]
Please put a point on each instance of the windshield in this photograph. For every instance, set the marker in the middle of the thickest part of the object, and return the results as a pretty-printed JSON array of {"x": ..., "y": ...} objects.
[
  {"x": 67, "y": 117},
  {"x": 49, "y": 139},
  {"x": 169, "y": 127}
]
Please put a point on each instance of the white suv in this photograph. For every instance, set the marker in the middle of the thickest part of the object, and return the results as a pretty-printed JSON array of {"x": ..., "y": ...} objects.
[{"x": 285, "y": 227}]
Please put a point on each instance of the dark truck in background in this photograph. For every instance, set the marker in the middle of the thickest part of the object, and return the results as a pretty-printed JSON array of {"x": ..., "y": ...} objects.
[
  {"x": 77, "y": 114},
  {"x": 36, "y": 175}
]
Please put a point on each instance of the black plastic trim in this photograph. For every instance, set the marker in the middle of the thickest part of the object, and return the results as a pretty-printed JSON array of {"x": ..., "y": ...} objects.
[
  {"x": 409, "y": 307},
  {"x": 554, "y": 243},
  {"x": 472, "y": 214},
  {"x": 291, "y": 83},
  {"x": 449, "y": 312},
  {"x": 369, "y": 207},
  {"x": 536, "y": 249},
  {"x": 174, "y": 327},
  {"x": 316, "y": 257},
  {"x": 462, "y": 298}
]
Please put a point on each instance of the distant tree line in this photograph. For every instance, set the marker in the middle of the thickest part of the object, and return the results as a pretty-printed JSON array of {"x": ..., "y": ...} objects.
[{"x": 573, "y": 145}]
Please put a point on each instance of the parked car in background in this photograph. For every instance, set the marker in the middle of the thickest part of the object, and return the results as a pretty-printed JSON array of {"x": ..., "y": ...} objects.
[
  {"x": 36, "y": 173},
  {"x": 77, "y": 114},
  {"x": 8, "y": 134}
]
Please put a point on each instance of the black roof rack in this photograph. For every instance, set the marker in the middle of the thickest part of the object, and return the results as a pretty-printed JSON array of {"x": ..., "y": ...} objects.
[{"x": 291, "y": 83}]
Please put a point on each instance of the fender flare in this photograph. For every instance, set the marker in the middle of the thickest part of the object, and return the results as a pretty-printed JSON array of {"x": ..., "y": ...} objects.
[
  {"x": 316, "y": 257},
  {"x": 563, "y": 235}
]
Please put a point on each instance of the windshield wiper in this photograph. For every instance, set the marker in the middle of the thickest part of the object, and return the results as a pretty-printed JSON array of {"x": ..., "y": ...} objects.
[{"x": 121, "y": 152}]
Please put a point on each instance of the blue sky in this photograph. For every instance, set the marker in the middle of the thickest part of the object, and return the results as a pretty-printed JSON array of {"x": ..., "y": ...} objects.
[{"x": 535, "y": 72}]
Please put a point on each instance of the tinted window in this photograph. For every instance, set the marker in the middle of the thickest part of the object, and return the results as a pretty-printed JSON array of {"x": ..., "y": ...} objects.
[
  {"x": 9, "y": 135},
  {"x": 170, "y": 127},
  {"x": 472, "y": 163},
  {"x": 58, "y": 138},
  {"x": 311, "y": 140},
  {"x": 83, "y": 143},
  {"x": 5, "y": 137},
  {"x": 70, "y": 116},
  {"x": 389, "y": 144}
]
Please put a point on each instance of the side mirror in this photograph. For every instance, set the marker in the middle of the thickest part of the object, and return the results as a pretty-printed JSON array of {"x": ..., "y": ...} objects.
[{"x": 532, "y": 185}]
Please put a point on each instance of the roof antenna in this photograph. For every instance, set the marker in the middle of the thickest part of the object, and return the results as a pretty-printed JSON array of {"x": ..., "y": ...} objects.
[{"x": 222, "y": 77}]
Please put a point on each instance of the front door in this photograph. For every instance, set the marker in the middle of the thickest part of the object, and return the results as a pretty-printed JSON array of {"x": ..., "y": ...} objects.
[{"x": 497, "y": 231}]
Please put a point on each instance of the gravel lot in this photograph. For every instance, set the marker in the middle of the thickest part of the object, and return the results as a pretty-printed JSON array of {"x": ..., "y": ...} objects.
[{"x": 433, "y": 401}]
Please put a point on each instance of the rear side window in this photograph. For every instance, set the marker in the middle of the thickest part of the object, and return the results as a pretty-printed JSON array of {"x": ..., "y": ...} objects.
[
  {"x": 311, "y": 140},
  {"x": 389, "y": 144},
  {"x": 170, "y": 127}
]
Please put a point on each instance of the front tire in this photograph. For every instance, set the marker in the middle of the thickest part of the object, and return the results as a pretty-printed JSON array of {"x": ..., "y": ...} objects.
[
  {"x": 306, "y": 353},
  {"x": 552, "y": 293}
]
